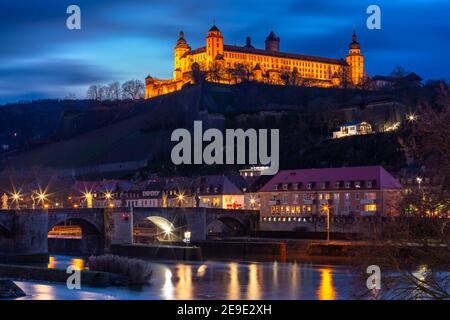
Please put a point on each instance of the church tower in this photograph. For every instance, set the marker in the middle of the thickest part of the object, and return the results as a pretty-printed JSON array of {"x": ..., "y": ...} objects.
[
  {"x": 356, "y": 62},
  {"x": 180, "y": 49},
  {"x": 214, "y": 44}
]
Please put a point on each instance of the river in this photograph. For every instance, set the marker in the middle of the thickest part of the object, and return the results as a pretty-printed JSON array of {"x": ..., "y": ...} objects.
[{"x": 212, "y": 280}]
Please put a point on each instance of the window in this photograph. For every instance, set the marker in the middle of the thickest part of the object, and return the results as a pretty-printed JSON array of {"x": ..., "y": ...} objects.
[
  {"x": 357, "y": 184},
  {"x": 337, "y": 184},
  {"x": 336, "y": 196},
  {"x": 323, "y": 185},
  {"x": 357, "y": 196},
  {"x": 309, "y": 186},
  {"x": 348, "y": 184},
  {"x": 295, "y": 186},
  {"x": 369, "y": 184},
  {"x": 347, "y": 196},
  {"x": 285, "y": 186},
  {"x": 370, "y": 195},
  {"x": 370, "y": 207},
  {"x": 275, "y": 187}
]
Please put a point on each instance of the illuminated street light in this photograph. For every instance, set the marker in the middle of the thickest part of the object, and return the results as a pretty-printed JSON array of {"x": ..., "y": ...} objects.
[
  {"x": 88, "y": 197},
  {"x": 419, "y": 181},
  {"x": 411, "y": 117},
  {"x": 108, "y": 195},
  {"x": 180, "y": 198},
  {"x": 326, "y": 208}
]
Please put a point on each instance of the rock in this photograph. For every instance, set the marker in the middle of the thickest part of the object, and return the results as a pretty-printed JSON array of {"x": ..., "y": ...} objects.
[{"x": 9, "y": 290}]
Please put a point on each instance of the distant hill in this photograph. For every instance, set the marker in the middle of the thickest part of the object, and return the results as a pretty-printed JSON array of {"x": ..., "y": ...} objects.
[{"x": 80, "y": 135}]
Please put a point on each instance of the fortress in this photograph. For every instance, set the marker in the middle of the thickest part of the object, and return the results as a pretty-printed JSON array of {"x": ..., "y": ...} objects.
[{"x": 229, "y": 64}]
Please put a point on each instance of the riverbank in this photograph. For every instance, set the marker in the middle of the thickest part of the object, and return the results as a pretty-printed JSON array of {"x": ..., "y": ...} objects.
[
  {"x": 263, "y": 249},
  {"x": 33, "y": 273}
]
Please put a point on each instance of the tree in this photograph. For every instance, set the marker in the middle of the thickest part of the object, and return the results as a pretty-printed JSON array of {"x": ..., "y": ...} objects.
[
  {"x": 133, "y": 89},
  {"x": 115, "y": 90},
  {"x": 414, "y": 249},
  {"x": 399, "y": 72},
  {"x": 215, "y": 72},
  {"x": 92, "y": 92}
]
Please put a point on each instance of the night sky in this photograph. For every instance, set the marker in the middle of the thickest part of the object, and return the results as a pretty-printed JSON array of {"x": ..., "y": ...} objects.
[{"x": 121, "y": 40}]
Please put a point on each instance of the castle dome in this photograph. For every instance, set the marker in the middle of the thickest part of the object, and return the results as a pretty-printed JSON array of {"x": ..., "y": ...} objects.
[
  {"x": 181, "y": 42},
  {"x": 354, "y": 44}
]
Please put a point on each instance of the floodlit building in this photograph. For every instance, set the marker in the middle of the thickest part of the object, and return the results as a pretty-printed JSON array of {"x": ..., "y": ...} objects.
[
  {"x": 352, "y": 128},
  {"x": 228, "y": 64}
]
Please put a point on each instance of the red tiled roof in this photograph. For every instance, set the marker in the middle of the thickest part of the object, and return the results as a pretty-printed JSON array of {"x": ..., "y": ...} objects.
[{"x": 377, "y": 174}]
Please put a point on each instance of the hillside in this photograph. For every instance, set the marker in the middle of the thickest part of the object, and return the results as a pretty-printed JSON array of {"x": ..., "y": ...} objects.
[{"x": 306, "y": 118}]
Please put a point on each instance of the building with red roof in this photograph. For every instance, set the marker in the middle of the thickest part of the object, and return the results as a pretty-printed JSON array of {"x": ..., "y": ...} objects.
[{"x": 294, "y": 196}]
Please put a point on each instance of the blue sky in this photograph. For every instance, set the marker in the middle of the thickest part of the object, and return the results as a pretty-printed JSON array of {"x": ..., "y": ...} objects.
[{"x": 121, "y": 40}]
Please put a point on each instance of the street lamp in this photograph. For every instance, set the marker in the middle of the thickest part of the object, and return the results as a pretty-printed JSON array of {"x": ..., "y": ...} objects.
[
  {"x": 419, "y": 181},
  {"x": 180, "y": 199},
  {"x": 327, "y": 207},
  {"x": 187, "y": 237},
  {"x": 411, "y": 117}
]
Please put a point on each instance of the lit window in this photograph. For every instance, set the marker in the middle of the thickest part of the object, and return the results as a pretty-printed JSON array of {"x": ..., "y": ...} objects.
[
  {"x": 370, "y": 207},
  {"x": 357, "y": 184}
]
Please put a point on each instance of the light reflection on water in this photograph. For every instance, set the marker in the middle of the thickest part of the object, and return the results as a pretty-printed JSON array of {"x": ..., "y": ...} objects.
[{"x": 212, "y": 280}]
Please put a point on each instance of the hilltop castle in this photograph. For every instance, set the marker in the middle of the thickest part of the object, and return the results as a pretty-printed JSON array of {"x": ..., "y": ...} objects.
[{"x": 218, "y": 62}]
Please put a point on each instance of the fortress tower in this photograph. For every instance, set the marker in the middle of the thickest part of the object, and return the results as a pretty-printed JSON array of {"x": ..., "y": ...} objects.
[
  {"x": 180, "y": 49},
  {"x": 214, "y": 44},
  {"x": 356, "y": 62}
]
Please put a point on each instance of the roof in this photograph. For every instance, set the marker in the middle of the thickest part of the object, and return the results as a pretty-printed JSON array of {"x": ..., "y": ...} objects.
[
  {"x": 225, "y": 185},
  {"x": 351, "y": 123},
  {"x": 214, "y": 28},
  {"x": 277, "y": 54},
  {"x": 286, "y": 55},
  {"x": 411, "y": 77},
  {"x": 377, "y": 174}
]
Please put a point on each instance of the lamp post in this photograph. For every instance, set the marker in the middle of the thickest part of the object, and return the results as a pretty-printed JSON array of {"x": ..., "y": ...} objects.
[
  {"x": 419, "y": 181},
  {"x": 327, "y": 207}
]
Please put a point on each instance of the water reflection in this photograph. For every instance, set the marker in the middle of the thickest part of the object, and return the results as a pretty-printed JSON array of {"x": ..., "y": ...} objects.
[
  {"x": 326, "y": 289},
  {"x": 184, "y": 286},
  {"x": 168, "y": 288},
  {"x": 234, "y": 287},
  {"x": 213, "y": 280},
  {"x": 254, "y": 288}
]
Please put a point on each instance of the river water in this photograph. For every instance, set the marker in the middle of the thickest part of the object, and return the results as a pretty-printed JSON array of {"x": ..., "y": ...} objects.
[{"x": 212, "y": 280}]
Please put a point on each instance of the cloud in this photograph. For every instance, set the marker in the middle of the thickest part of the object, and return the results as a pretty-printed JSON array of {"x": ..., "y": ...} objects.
[{"x": 130, "y": 39}]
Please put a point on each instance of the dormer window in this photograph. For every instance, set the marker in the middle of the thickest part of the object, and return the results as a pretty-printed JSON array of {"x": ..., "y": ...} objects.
[
  {"x": 309, "y": 186},
  {"x": 337, "y": 184},
  {"x": 285, "y": 186},
  {"x": 215, "y": 189},
  {"x": 369, "y": 184},
  {"x": 323, "y": 185},
  {"x": 357, "y": 184},
  {"x": 295, "y": 186},
  {"x": 275, "y": 187},
  {"x": 348, "y": 184},
  {"x": 207, "y": 190}
]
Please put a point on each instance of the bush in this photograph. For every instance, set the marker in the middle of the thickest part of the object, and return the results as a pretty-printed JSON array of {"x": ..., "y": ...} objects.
[{"x": 137, "y": 271}]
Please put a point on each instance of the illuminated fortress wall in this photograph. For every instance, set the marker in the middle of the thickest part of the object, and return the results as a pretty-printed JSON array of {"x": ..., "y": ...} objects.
[{"x": 228, "y": 64}]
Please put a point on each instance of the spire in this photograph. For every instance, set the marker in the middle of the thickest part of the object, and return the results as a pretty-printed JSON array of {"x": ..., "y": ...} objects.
[
  {"x": 248, "y": 42},
  {"x": 354, "y": 44}
]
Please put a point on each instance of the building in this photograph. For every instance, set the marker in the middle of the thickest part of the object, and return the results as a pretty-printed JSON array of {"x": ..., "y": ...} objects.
[
  {"x": 224, "y": 192},
  {"x": 410, "y": 80},
  {"x": 352, "y": 128},
  {"x": 229, "y": 64},
  {"x": 295, "y": 196}
]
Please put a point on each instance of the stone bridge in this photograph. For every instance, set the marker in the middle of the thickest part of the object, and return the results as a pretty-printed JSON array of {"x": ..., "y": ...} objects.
[{"x": 24, "y": 233}]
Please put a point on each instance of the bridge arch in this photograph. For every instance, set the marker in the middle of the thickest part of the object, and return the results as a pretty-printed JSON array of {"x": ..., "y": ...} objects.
[
  {"x": 154, "y": 228},
  {"x": 75, "y": 235},
  {"x": 226, "y": 225}
]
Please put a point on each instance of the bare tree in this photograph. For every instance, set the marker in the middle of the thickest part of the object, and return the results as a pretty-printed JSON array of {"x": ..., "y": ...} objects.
[
  {"x": 133, "y": 89},
  {"x": 414, "y": 248},
  {"x": 115, "y": 90},
  {"x": 92, "y": 92}
]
